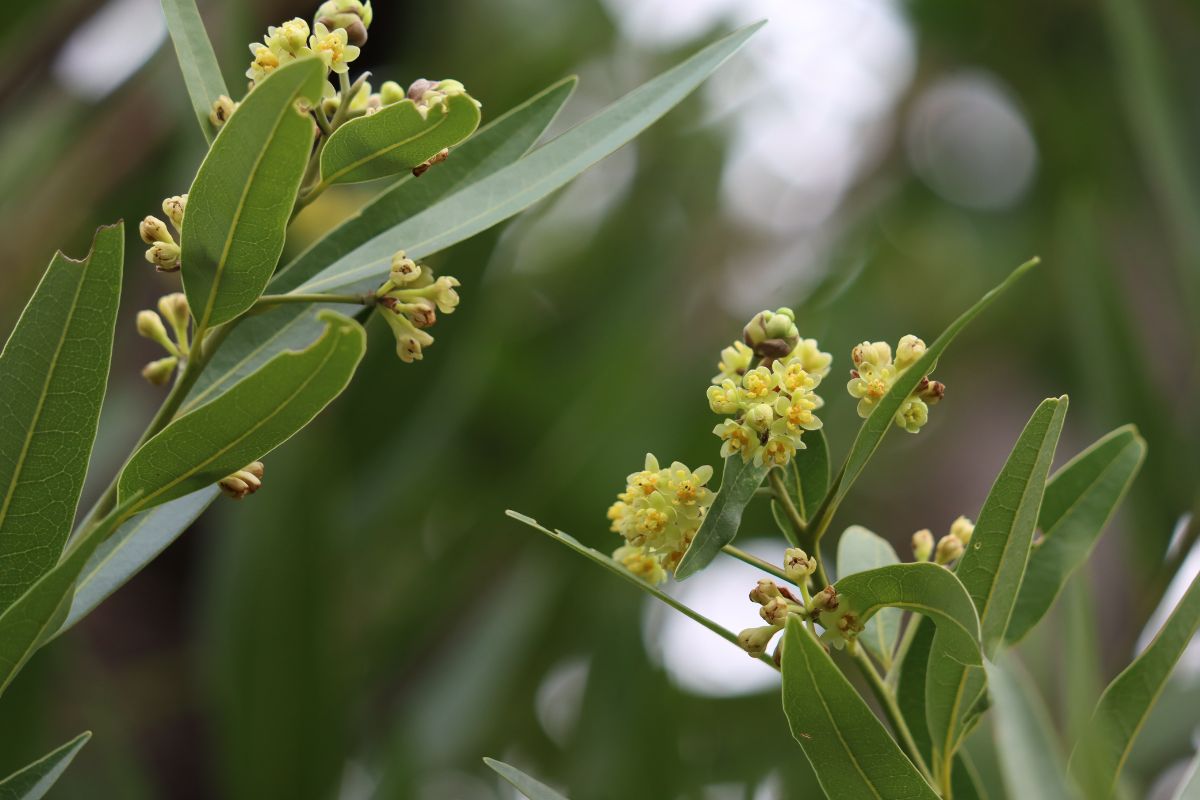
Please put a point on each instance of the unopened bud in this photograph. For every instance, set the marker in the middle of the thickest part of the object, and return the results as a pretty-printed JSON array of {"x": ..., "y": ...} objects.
[
  {"x": 159, "y": 372},
  {"x": 150, "y": 326},
  {"x": 775, "y": 611},
  {"x": 418, "y": 88},
  {"x": 824, "y": 600},
  {"x": 931, "y": 391},
  {"x": 908, "y": 351},
  {"x": 772, "y": 334},
  {"x": 244, "y": 482},
  {"x": 962, "y": 529},
  {"x": 391, "y": 92},
  {"x": 760, "y": 416},
  {"x": 755, "y": 640},
  {"x": 871, "y": 354},
  {"x": 764, "y": 592},
  {"x": 949, "y": 548},
  {"x": 174, "y": 207},
  {"x": 164, "y": 256},
  {"x": 222, "y": 109},
  {"x": 922, "y": 544},
  {"x": 153, "y": 230},
  {"x": 174, "y": 309},
  {"x": 797, "y": 565}
]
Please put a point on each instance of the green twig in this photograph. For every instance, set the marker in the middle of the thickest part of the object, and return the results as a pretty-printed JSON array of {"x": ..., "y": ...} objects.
[
  {"x": 779, "y": 491},
  {"x": 755, "y": 561}
]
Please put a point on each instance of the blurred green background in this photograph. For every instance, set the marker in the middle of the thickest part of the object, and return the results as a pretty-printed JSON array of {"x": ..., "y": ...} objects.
[{"x": 370, "y": 624}]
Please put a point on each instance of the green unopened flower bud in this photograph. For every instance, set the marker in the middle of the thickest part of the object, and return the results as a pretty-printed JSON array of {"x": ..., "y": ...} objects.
[
  {"x": 352, "y": 15},
  {"x": 772, "y": 334},
  {"x": 797, "y": 565},
  {"x": 766, "y": 591},
  {"x": 775, "y": 611},
  {"x": 755, "y": 640},
  {"x": 824, "y": 600},
  {"x": 391, "y": 92},
  {"x": 244, "y": 482},
  {"x": 174, "y": 207},
  {"x": 152, "y": 230},
  {"x": 164, "y": 256},
  {"x": 159, "y": 372},
  {"x": 962, "y": 529},
  {"x": 150, "y": 326},
  {"x": 922, "y": 544},
  {"x": 949, "y": 548},
  {"x": 760, "y": 416},
  {"x": 908, "y": 351},
  {"x": 222, "y": 109},
  {"x": 174, "y": 309}
]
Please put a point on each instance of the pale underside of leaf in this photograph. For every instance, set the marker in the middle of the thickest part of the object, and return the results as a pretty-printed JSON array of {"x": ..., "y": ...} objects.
[
  {"x": 859, "y": 550},
  {"x": 33, "y": 781},
  {"x": 533, "y": 789}
]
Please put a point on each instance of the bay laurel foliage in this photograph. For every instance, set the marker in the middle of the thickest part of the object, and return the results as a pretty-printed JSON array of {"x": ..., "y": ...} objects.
[
  {"x": 254, "y": 350},
  {"x": 888, "y": 664}
]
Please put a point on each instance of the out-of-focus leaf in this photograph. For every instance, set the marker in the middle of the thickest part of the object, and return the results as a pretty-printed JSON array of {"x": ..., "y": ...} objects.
[
  {"x": 860, "y": 550},
  {"x": 534, "y": 790},
  {"x": 244, "y": 424},
  {"x": 1026, "y": 742},
  {"x": 515, "y": 188},
  {"x": 873, "y": 429},
  {"x": 966, "y": 781},
  {"x": 991, "y": 570},
  {"x": 1098, "y": 757},
  {"x": 910, "y": 688},
  {"x": 1080, "y": 499},
  {"x": 1081, "y": 682},
  {"x": 811, "y": 471},
  {"x": 53, "y": 374},
  {"x": 33, "y": 781},
  {"x": 131, "y": 547},
  {"x": 852, "y": 753},
  {"x": 197, "y": 61},
  {"x": 240, "y": 203},
  {"x": 1189, "y": 787},
  {"x": 255, "y": 339},
  {"x": 396, "y": 138},
  {"x": 922, "y": 587},
  {"x": 739, "y": 481}
]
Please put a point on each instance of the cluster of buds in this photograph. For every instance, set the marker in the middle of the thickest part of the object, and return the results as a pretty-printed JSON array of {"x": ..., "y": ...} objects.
[
  {"x": 659, "y": 513},
  {"x": 949, "y": 548},
  {"x": 769, "y": 406},
  {"x": 164, "y": 250},
  {"x": 409, "y": 301},
  {"x": 352, "y": 16},
  {"x": 244, "y": 482},
  {"x": 776, "y": 603},
  {"x": 174, "y": 309},
  {"x": 875, "y": 372},
  {"x": 840, "y": 623}
]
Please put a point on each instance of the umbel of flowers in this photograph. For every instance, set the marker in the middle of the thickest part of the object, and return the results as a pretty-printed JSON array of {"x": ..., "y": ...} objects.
[{"x": 874, "y": 373}]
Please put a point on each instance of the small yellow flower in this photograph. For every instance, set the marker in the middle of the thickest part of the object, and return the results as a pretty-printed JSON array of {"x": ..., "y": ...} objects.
[
  {"x": 735, "y": 360},
  {"x": 797, "y": 413},
  {"x": 909, "y": 349},
  {"x": 814, "y": 362},
  {"x": 759, "y": 385},
  {"x": 265, "y": 62},
  {"x": 869, "y": 384},
  {"x": 737, "y": 438},
  {"x": 913, "y": 415},
  {"x": 777, "y": 452},
  {"x": 290, "y": 37},
  {"x": 792, "y": 376},
  {"x": 641, "y": 562},
  {"x": 332, "y": 47},
  {"x": 724, "y": 398}
]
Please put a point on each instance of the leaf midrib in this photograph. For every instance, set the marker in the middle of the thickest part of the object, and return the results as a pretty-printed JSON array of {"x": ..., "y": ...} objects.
[{"x": 376, "y": 154}]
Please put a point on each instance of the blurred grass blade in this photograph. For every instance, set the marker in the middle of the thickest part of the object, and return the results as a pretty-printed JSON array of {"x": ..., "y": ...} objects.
[
  {"x": 1028, "y": 748},
  {"x": 860, "y": 550},
  {"x": 33, "y": 781},
  {"x": 739, "y": 481},
  {"x": 53, "y": 374},
  {"x": 242, "y": 198},
  {"x": 924, "y": 588},
  {"x": 534, "y": 790},
  {"x": 873, "y": 429},
  {"x": 515, "y": 188},
  {"x": 197, "y": 61},
  {"x": 255, "y": 339},
  {"x": 991, "y": 570},
  {"x": 1080, "y": 499},
  {"x": 131, "y": 547},
  {"x": 395, "y": 139},
  {"x": 851, "y": 752},
  {"x": 251, "y": 419},
  {"x": 1098, "y": 757}
]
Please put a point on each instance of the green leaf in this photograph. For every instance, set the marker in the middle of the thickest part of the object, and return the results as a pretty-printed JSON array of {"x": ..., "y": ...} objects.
[
  {"x": 1189, "y": 787},
  {"x": 910, "y": 689},
  {"x": 739, "y": 481},
  {"x": 545, "y": 170},
  {"x": 28, "y": 623},
  {"x": 1080, "y": 499},
  {"x": 134, "y": 545},
  {"x": 240, "y": 203},
  {"x": 851, "y": 752},
  {"x": 53, "y": 370},
  {"x": 396, "y": 138},
  {"x": 873, "y": 429},
  {"x": 812, "y": 471},
  {"x": 922, "y": 587},
  {"x": 33, "y": 781},
  {"x": 1098, "y": 757},
  {"x": 526, "y": 785},
  {"x": 255, "y": 339},
  {"x": 1027, "y": 745},
  {"x": 860, "y": 550},
  {"x": 197, "y": 61},
  {"x": 991, "y": 570},
  {"x": 247, "y": 422}
]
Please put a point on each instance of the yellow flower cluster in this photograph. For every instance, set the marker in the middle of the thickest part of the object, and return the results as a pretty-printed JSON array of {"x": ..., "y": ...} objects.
[
  {"x": 875, "y": 372},
  {"x": 282, "y": 44},
  {"x": 658, "y": 514}
]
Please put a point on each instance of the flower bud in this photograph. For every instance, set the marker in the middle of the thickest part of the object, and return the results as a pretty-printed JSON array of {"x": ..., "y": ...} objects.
[
  {"x": 164, "y": 256},
  {"x": 764, "y": 592},
  {"x": 245, "y": 481},
  {"x": 755, "y": 640},
  {"x": 174, "y": 207},
  {"x": 418, "y": 88},
  {"x": 824, "y": 600},
  {"x": 150, "y": 326},
  {"x": 154, "y": 230},
  {"x": 391, "y": 92},
  {"x": 775, "y": 611},
  {"x": 404, "y": 269},
  {"x": 931, "y": 391},
  {"x": 871, "y": 354},
  {"x": 772, "y": 334},
  {"x": 922, "y": 544},
  {"x": 222, "y": 109},
  {"x": 760, "y": 416},
  {"x": 962, "y": 529},
  {"x": 797, "y": 565},
  {"x": 949, "y": 548},
  {"x": 908, "y": 351},
  {"x": 159, "y": 372},
  {"x": 352, "y": 15},
  {"x": 174, "y": 309}
]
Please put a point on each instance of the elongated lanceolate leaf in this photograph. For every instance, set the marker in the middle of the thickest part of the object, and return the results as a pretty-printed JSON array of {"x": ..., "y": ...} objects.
[
  {"x": 255, "y": 339},
  {"x": 534, "y": 790},
  {"x": 991, "y": 570},
  {"x": 33, "y": 781},
  {"x": 240, "y": 203},
  {"x": 197, "y": 61},
  {"x": 1026, "y": 742},
  {"x": 1189, "y": 787},
  {"x": 851, "y": 752},
  {"x": 739, "y": 481},
  {"x": 1098, "y": 757},
  {"x": 244, "y": 424},
  {"x": 53, "y": 374},
  {"x": 812, "y": 472},
  {"x": 860, "y": 550},
  {"x": 396, "y": 138},
  {"x": 1080, "y": 499},
  {"x": 515, "y": 188}
]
